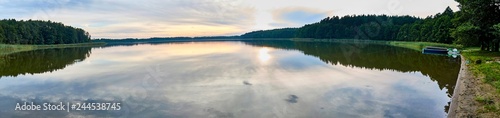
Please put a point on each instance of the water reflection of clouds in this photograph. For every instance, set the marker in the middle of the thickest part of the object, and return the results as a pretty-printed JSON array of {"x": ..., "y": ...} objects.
[
  {"x": 264, "y": 55},
  {"x": 363, "y": 102},
  {"x": 212, "y": 84},
  {"x": 148, "y": 52},
  {"x": 297, "y": 61}
]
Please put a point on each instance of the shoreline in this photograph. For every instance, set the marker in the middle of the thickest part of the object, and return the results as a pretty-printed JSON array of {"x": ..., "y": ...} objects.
[
  {"x": 417, "y": 46},
  {"x": 462, "y": 101}
]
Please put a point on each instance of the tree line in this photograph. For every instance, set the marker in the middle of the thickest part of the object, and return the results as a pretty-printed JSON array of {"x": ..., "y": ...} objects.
[
  {"x": 476, "y": 24},
  {"x": 40, "y": 32},
  {"x": 159, "y": 39},
  {"x": 274, "y": 33},
  {"x": 373, "y": 27},
  {"x": 431, "y": 29}
]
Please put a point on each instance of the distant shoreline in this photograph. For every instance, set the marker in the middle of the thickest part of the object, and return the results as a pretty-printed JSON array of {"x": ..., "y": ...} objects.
[
  {"x": 405, "y": 44},
  {"x": 166, "y": 40}
]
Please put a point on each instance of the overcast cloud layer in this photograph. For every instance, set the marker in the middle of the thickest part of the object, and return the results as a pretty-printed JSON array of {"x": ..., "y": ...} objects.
[{"x": 167, "y": 18}]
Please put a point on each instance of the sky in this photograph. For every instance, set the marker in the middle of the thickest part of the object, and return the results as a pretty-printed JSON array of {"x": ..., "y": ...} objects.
[{"x": 171, "y": 18}]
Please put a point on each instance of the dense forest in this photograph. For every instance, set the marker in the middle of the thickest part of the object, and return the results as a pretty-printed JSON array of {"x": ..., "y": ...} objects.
[
  {"x": 431, "y": 29},
  {"x": 274, "y": 33},
  {"x": 373, "y": 27},
  {"x": 476, "y": 24},
  {"x": 40, "y": 32}
]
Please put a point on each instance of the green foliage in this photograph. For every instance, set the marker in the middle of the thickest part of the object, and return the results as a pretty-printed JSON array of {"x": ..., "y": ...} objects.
[
  {"x": 489, "y": 104},
  {"x": 40, "y": 32},
  {"x": 491, "y": 107},
  {"x": 431, "y": 29},
  {"x": 491, "y": 72},
  {"x": 373, "y": 27},
  {"x": 483, "y": 14},
  {"x": 489, "y": 68},
  {"x": 2, "y": 36},
  {"x": 419, "y": 45},
  {"x": 477, "y": 24},
  {"x": 274, "y": 33},
  {"x": 496, "y": 41},
  {"x": 496, "y": 30},
  {"x": 466, "y": 34},
  {"x": 483, "y": 100}
]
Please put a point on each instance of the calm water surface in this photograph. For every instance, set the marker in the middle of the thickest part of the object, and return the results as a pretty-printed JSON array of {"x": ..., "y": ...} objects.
[{"x": 246, "y": 79}]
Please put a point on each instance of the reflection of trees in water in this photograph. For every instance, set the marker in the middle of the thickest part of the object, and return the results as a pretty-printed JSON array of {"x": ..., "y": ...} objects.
[
  {"x": 40, "y": 61},
  {"x": 380, "y": 57}
]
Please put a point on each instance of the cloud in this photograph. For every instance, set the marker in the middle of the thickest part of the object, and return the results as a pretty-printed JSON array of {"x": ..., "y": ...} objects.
[
  {"x": 266, "y": 8},
  {"x": 153, "y": 18},
  {"x": 29, "y": 7},
  {"x": 297, "y": 16},
  {"x": 149, "y": 18}
]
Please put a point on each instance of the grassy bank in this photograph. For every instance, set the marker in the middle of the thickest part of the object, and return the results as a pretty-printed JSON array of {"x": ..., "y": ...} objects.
[
  {"x": 404, "y": 44},
  {"x": 486, "y": 67},
  {"x": 419, "y": 45},
  {"x": 6, "y": 49}
]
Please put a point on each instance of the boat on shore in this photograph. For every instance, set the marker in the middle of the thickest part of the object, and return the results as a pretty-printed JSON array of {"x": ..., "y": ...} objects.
[
  {"x": 441, "y": 51},
  {"x": 435, "y": 50}
]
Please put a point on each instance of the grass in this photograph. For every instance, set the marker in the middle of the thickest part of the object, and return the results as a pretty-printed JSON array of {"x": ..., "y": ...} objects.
[
  {"x": 419, "y": 45},
  {"x": 404, "y": 44},
  {"x": 484, "y": 100},
  {"x": 491, "y": 108},
  {"x": 484, "y": 64},
  {"x": 6, "y": 49},
  {"x": 488, "y": 105}
]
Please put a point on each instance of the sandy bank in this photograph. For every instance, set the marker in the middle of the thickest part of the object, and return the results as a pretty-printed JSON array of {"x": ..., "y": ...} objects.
[{"x": 462, "y": 103}]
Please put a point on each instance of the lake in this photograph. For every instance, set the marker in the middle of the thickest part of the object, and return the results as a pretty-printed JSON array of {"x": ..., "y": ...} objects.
[{"x": 224, "y": 79}]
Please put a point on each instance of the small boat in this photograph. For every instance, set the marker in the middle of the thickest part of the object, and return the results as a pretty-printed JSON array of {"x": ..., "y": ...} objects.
[
  {"x": 441, "y": 51},
  {"x": 435, "y": 50}
]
